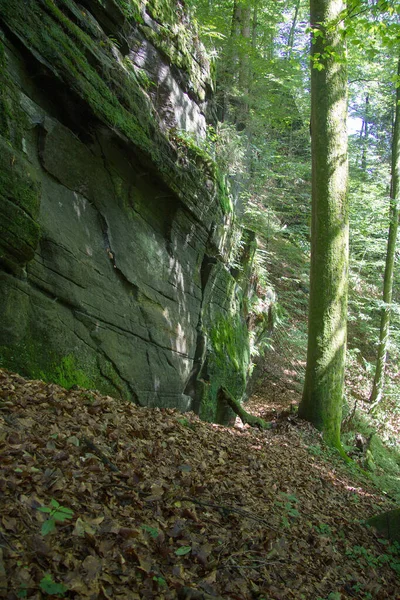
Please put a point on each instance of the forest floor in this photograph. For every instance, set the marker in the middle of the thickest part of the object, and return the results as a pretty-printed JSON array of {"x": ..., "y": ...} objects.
[{"x": 103, "y": 499}]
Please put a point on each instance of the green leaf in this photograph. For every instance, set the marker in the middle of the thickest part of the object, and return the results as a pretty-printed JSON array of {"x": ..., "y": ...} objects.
[
  {"x": 44, "y": 509},
  {"x": 151, "y": 530},
  {"x": 48, "y": 526},
  {"x": 23, "y": 591},
  {"x": 160, "y": 581},
  {"x": 183, "y": 550},
  {"x": 49, "y": 586},
  {"x": 292, "y": 497},
  {"x": 54, "y": 503},
  {"x": 63, "y": 513}
]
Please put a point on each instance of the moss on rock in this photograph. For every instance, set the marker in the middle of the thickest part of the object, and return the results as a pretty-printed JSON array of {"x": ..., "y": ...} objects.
[
  {"x": 92, "y": 70},
  {"x": 19, "y": 207},
  {"x": 92, "y": 73}
]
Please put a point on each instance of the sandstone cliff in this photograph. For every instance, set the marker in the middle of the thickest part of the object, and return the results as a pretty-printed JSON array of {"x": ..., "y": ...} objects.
[{"x": 116, "y": 229}]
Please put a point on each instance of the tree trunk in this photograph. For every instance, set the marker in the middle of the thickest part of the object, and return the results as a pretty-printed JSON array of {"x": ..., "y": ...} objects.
[
  {"x": 290, "y": 41},
  {"x": 377, "y": 388},
  {"x": 321, "y": 403},
  {"x": 236, "y": 72},
  {"x": 244, "y": 66},
  {"x": 364, "y": 139}
]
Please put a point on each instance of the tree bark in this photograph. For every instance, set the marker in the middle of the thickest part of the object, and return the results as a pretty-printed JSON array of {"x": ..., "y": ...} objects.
[
  {"x": 378, "y": 384},
  {"x": 321, "y": 403}
]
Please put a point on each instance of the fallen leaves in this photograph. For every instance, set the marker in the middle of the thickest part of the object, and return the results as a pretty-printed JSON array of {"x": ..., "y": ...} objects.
[{"x": 150, "y": 504}]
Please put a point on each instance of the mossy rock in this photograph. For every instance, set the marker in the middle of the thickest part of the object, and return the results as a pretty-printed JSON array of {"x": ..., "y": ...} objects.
[
  {"x": 387, "y": 524},
  {"x": 19, "y": 208}
]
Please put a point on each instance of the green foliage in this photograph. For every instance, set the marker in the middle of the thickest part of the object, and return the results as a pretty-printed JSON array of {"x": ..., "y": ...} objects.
[
  {"x": 131, "y": 9},
  {"x": 323, "y": 529},
  {"x": 288, "y": 504},
  {"x": 229, "y": 148},
  {"x": 50, "y": 587},
  {"x": 185, "y": 423},
  {"x": 160, "y": 581},
  {"x": 363, "y": 556},
  {"x": 152, "y": 531},
  {"x": 183, "y": 550},
  {"x": 385, "y": 455},
  {"x": 56, "y": 513},
  {"x": 23, "y": 591}
]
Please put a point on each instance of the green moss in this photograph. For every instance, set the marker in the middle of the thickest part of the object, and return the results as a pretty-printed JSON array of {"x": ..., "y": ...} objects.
[
  {"x": 229, "y": 338},
  {"x": 68, "y": 374},
  {"x": 13, "y": 120},
  {"x": 131, "y": 9},
  {"x": 19, "y": 234},
  {"x": 34, "y": 358},
  {"x": 5, "y": 112},
  {"x": 19, "y": 207},
  {"x": 188, "y": 147},
  {"x": 227, "y": 366},
  {"x": 208, "y": 394},
  {"x": 114, "y": 93},
  {"x": 18, "y": 180},
  {"x": 223, "y": 193},
  {"x": 162, "y": 10}
]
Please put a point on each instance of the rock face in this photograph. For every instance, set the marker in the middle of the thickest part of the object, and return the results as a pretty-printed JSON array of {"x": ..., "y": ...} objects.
[{"x": 116, "y": 230}]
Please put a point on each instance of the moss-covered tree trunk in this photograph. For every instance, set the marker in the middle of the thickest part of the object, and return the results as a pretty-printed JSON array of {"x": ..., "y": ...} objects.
[
  {"x": 323, "y": 389},
  {"x": 377, "y": 388}
]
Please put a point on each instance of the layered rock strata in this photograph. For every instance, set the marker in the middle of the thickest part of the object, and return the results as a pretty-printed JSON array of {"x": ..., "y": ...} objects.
[{"x": 116, "y": 228}]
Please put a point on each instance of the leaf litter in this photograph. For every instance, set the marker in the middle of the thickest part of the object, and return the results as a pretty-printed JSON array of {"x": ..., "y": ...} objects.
[{"x": 148, "y": 503}]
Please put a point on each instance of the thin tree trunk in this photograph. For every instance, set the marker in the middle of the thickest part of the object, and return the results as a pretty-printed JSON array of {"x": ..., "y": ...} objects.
[
  {"x": 230, "y": 66},
  {"x": 235, "y": 34},
  {"x": 290, "y": 41},
  {"x": 378, "y": 385},
  {"x": 364, "y": 140},
  {"x": 244, "y": 68},
  {"x": 251, "y": 151},
  {"x": 321, "y": 403}
]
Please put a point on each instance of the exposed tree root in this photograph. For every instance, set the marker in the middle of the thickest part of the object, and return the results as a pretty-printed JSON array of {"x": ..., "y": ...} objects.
[{"x": 237, "y": 408}]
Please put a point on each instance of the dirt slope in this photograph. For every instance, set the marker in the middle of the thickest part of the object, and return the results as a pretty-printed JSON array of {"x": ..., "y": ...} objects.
[{"x": 102, "y": 499}]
